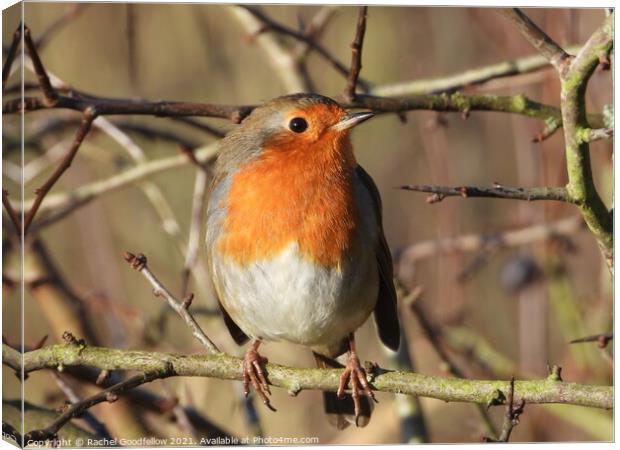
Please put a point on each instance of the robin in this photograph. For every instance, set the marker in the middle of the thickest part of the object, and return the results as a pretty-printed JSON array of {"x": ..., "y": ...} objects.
[{"x": 295, "y": 244}]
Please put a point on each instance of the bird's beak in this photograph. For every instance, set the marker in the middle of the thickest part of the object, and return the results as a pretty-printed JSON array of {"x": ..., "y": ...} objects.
[{"x": 352, "y": 119}]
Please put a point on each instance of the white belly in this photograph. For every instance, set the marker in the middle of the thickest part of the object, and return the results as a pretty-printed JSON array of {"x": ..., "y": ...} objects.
[{"x": 288, "y": 298}]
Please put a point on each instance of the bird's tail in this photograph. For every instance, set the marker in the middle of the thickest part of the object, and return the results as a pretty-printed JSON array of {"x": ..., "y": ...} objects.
[{"x": 341, "y": 411}]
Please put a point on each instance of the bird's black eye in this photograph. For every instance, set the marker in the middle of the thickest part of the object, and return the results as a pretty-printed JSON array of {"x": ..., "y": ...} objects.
[{"x": 298, "y": 125}]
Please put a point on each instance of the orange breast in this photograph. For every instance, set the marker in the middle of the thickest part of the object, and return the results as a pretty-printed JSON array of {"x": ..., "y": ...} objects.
[{"x": 293, "y": 194}]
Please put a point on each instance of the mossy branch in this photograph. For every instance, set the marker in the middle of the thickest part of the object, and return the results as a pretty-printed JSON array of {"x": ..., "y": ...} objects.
[
  {"x": 294, "y": 379},
  {"x": 581, "y": 186}
]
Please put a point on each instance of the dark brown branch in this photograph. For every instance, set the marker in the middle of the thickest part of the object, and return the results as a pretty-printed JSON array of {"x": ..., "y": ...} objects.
[
  {"x": 49, "y": 92},
  {"x": 10, "y": 57},
  {"x": 110, "y": 395},
  {"x": 513, "y": 412},
  {"x": 11, "y": 212},
  {"x": 87, "y": 120},
  {"x": 111, "y": 106},
  {"x": 497, "y": 191},
  {"x": 538, "y": 38},
  {"x": 144, "y": 398},
  {"x": 356, "y": 54},
  {"x": 282, "y": 29},
  {"x": 98, "y": 427},
  {"x": 8, "y": 429}
]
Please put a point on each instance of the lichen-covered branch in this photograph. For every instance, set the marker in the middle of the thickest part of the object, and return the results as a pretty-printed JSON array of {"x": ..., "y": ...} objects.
[
  {"x": 577, "y": 134},
  {"x": 575, "y": 73},
  {"x": 295, "y": 379}
]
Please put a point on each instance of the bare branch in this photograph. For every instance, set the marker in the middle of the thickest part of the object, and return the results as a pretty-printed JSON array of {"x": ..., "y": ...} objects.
[
  {"x": 279, "y": 28},
  {"x": 49, "y": 92},
  {"x": 200, "y": 197},
  {"x": 87, "y": 120},
  {"x": 10, "y": 57},
  {"x": 98, "y": 427},
  {"x": 497, "y": 191},
  {"x": 356, "y": 54},
  {"x": 138, "y": 262},
  {"x": 538, "y": 38},
  {"x": 107, "y": 395},
  {"x": 11, "y": 212},
  {"x": 513, "y": 412}
]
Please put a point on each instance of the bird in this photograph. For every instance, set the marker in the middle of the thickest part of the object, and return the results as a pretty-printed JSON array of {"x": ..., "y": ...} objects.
[{"x": 295, "y": 244}]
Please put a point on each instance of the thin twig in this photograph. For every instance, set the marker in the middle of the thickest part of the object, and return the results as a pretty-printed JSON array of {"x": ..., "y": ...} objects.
[
  {"x": 199, "y": 199},
  {"x": 511, "y": 418},
  {"x": 10, "y": 57},
  {"x": 314, "y": 29},
  {"x": 138, "y": 262},
  {"x": 538, "y": 38},
  {"x": 99, "y": 428},
  {"x": 110, "y": 395},
  {"x": 282, "y": 29},
  {"x": 11, "y": 212},
  {"x": 49, "y": 92},
  {"x": 87, "y": 120},
  {"x": 515, "y": 193},
  {"x": 356, "y": 54}
]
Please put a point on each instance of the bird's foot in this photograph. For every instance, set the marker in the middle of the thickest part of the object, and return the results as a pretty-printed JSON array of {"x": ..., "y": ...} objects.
[
  {"x": 254, "y": 373},
  {"x": 355, "y": 374}
]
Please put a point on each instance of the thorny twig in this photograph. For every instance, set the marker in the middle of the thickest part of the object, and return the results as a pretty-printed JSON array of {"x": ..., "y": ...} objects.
[
  {"x": 498, "y": 191},
  {"x": 138, "y": 262}
]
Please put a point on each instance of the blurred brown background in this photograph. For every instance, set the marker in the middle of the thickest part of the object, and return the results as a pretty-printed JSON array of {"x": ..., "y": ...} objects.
[{"x": 202, "y": 53}]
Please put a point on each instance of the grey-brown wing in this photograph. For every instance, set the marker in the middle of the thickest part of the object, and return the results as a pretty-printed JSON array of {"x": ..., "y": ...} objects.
[
  {"x": 386, "y": 315},
  {"x": 235, "y": 332}
]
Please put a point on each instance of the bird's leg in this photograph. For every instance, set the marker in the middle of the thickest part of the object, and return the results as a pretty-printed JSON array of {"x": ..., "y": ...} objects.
[
  {"x": 355, "y": 374},
  {"x": 254, "y": 373}
]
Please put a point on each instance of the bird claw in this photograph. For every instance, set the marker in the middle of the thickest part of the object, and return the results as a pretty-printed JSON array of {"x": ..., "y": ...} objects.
[
  {"x": 355, "y": 374},
  {"x": 254, "y": 374}
]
